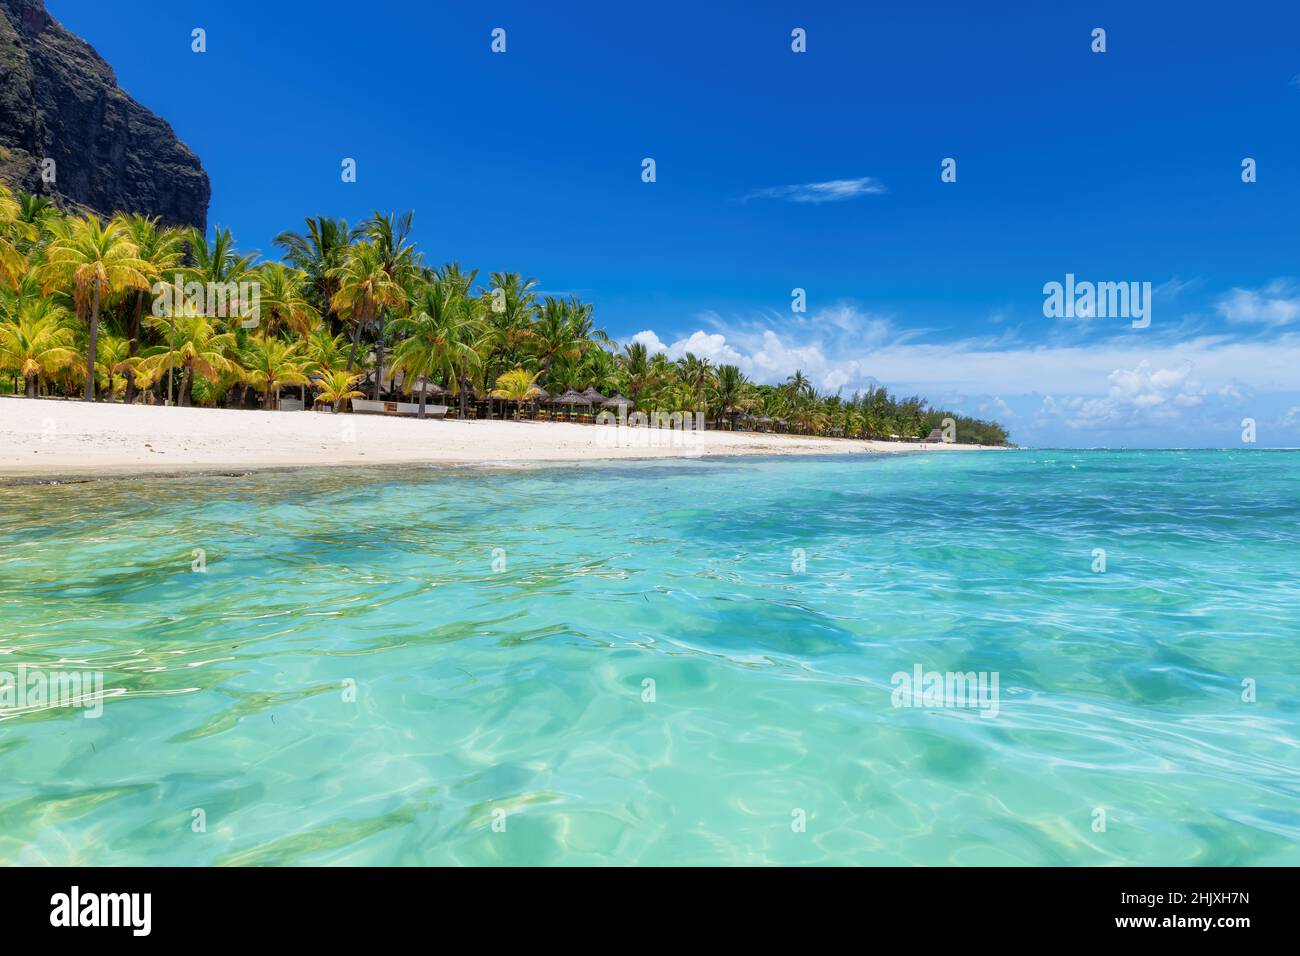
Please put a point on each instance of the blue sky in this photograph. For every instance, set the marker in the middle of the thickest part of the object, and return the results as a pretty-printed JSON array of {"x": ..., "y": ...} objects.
[{"x": 1115, "y": 166}]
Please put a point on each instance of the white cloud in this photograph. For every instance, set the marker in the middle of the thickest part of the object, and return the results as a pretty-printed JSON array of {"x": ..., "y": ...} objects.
[
  {"x": 651, "y": 341},
  {"x": 1278, "y": 303},
  {"x": 1108, "y": 388},
  {"x": 710, "y": 345},
  {"x": 834, "y": 190},
  {"x": 843, "y": 346},
  {"x": 1139, "y": 396}
]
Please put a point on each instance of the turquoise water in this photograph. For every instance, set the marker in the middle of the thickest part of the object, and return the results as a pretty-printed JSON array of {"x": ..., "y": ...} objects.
[{"x": 516, "y": 693}]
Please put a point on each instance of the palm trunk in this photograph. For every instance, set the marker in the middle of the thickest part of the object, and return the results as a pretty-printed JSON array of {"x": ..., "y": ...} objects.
[
  {"x": 270, "y": 397},
  {"x": 423, "y": 392},
  {"x": 379, "y": 355},
  {"x": 31, "y": 385},
  {"x": 186, "y": 379},
  {"x": 90, "y": 348},
  {"x": 131, "y": 346},
  {"x": 356, "y": 340},
  {"x": 464, "y": 398}
]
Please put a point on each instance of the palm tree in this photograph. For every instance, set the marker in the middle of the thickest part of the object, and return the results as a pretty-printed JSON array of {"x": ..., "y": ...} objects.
[
  {"x": 220, "y": 267},
  {"x": 364, "y": 286},
  {"x": 112, "y": 358},
  {"x": 453, "y": 276},
  {"x": 326, "y": 352},
  {"x": 636, "y": 367},
  {"x": 192, "y": 343},
  {"x": 94, "y": 261},
  {"x": 438, "y": 339},
  {"x": 163, "y": 249},
  {"x": 36, "y": 338},
  {"x": 269, "y": 363},
  {"x": 797, "y": 384},
  {"x": 13, "y": 264},
  {"x": 283, "y": 301},
  {"x": 599, "y": 369},
  {"x": 508, "y": 308},
  {"x": 336, "y": 387},
  {"x": 695, "y": 373},
  {"x": 318, "y": 254},
  {"x": 730, "y": 393},
  {"x": 399, "y": 259},
  {"x": 516, "y": 386},
  {"x": 553, "y": 334}
]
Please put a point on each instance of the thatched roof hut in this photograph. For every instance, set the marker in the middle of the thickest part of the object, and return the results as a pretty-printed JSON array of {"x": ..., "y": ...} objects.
[{"x": 429, "y": 387}]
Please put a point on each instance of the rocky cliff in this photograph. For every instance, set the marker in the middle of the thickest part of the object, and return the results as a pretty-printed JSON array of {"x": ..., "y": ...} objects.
[{"x": 59, "y": 100}]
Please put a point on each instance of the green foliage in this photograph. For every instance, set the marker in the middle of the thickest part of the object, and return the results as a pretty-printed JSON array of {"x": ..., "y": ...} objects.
[{"x": 346, "y": 300}]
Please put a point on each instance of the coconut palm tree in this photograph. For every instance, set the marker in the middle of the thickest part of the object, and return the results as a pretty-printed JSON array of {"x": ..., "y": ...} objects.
[
  {"x": 221, "y": 268},
  {"x": 94, "y": 262},
  {"x": 364, "y": 286},
  {"x": 270, "y": 363},
  {"x": 729, "y": 394},
  {"x": 797, "y": 384},
  {"x": 318, "y": 253},
  {"x": 36, "y": 338},
  {"x": 111, "y": 360},
  {"x": 636, "y": 368},
  {"x": 437, "y": 339},
  {"x": 163, "y": 249},
  {"x": 695, "y": 373},
  {"x": 283, "y": 299},
  {"x": 508, "y": 307},
  {"x": 516, "y": 386},
  {"x": 554, "y": 335},
  {"x": 325, "y": 352},
  {"x": 391, "y": 236},
  {"x": 336, "y": 387},
  {"x": 454, "y": 277},
  {"x": 192, "y": 343},
  {"x": 13, "y": 264}
]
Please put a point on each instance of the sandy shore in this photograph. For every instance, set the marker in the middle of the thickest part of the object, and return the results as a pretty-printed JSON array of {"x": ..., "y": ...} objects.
[{"x": 54, "y": 439}]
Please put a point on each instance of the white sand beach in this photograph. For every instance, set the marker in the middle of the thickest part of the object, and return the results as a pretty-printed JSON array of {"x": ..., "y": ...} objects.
[{"x": 41, "y": 438}]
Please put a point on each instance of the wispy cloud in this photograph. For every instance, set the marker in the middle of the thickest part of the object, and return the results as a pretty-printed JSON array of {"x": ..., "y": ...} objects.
[
  {"x": 1195, "y": 386},
  {"x": 1278, "y": 303},
  {"x": 834, "y": 190}
]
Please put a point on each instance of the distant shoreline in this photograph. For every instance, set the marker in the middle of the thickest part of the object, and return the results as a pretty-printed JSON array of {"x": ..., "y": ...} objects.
[{"x": 68, "y": 441}]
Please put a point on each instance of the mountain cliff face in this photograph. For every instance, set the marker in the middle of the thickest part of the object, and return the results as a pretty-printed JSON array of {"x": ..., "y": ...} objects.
[{"x": 59, "y": 100}]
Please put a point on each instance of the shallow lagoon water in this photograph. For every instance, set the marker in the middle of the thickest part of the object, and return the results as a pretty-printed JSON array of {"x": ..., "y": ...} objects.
[{"x": 770, "y": 602}]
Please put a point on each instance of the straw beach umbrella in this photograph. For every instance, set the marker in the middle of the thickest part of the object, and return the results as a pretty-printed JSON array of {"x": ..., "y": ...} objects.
[
  {"x": 540, "y": 397},
  {"x": 571, "y": 399},
  {"x": 619, "y": 402}
]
